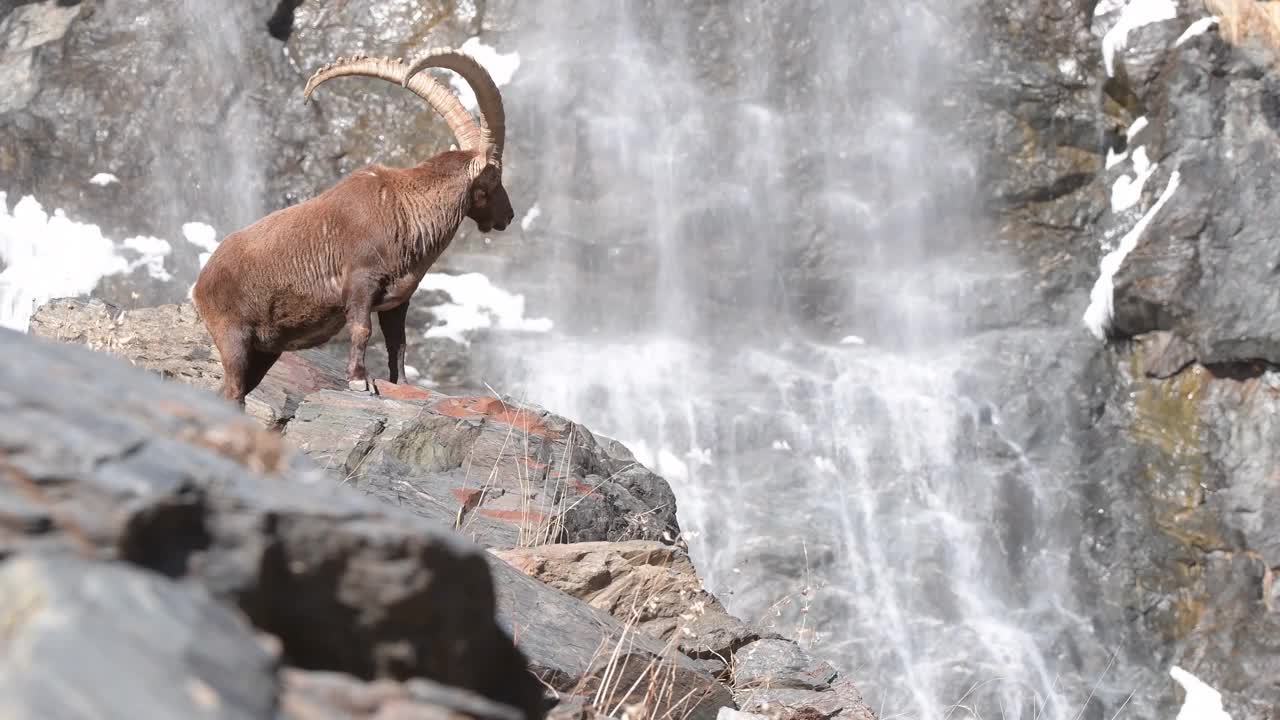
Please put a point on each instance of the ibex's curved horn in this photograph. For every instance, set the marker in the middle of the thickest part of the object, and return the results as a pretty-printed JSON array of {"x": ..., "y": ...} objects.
[
  {"x": 493, "y": 120},
  {"x": 440, "y": 98}
]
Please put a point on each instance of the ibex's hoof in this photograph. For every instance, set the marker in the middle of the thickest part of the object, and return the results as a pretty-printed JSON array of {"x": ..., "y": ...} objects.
[{"x": 362, "y": 386}]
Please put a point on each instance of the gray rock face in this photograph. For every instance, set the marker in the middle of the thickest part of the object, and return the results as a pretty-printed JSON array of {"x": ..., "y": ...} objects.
[
  {"x": 1204, "y": 268},
  {"x": 126, "y": 639},
  {"x": 112, "y": 463},
  {"x": 1182, "y": 542}
]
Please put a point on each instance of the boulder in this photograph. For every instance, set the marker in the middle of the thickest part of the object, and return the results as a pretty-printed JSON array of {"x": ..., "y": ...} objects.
[
  {"x": 84, "y": 634},
  {"x": 114, "y": 463},
  {"x": 501, "y": 472}
]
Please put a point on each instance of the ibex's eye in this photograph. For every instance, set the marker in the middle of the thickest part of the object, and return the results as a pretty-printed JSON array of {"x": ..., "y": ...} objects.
[{"x": 479, "y": 198}]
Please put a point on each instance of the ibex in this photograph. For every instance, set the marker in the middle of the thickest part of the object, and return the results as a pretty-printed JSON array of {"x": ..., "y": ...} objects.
[{"x": 293, "y": 279}]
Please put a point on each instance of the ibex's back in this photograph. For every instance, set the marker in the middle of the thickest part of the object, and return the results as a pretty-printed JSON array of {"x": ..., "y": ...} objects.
[
  {"x": 293, "y": 279},
  {"x": 285, "y": 276}
]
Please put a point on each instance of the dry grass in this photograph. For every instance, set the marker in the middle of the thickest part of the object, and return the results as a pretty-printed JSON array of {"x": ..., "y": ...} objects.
[
  {"x": 652, "y": 694},
  {"x": 1241, "y": 20}
]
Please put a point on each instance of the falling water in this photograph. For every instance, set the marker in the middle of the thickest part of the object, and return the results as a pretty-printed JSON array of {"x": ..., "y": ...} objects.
[{"x": 764, "y": 265}]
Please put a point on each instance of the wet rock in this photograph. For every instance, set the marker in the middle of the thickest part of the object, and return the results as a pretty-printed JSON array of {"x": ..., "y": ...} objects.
[
  {"x": 136, "y": 644},
  {"x": 780, "y": 664},
  {"x": 779, "y": 679},
  {"x": 115, "y": 463}
]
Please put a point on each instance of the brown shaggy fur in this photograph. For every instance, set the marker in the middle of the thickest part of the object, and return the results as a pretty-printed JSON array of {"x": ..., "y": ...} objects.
[{"x": 293, "y": 279}]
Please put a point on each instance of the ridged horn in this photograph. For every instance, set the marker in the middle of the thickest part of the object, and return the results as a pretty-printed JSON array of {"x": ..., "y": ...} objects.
[
  {"x": 393, "y": 70},
  {"x": 493, "y": 120}
]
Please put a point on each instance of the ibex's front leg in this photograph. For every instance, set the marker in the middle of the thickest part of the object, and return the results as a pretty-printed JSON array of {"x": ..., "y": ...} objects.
[
  {"x": 393, "y": 331},
  {"x": 359, "y": 310}
]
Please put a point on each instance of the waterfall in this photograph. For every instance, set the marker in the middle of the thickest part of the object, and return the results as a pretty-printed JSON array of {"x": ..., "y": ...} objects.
[{"x": 763, "y": 261}]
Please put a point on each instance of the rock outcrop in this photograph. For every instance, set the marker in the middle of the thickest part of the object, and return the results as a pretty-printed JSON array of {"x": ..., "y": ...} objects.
[
  {"x": 115, "y": 466},
  {"x": 501, "y": 472}
]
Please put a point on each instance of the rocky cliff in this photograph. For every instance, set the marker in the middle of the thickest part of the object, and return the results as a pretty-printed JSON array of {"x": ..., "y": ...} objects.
[{"x": 332, "y": 565}]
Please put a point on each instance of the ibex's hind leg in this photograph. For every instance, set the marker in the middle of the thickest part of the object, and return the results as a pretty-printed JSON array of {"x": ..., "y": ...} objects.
[
  {"x": 236, "y": 353},
  {"x": 392, "y": 323},
  {"x": 359, "y": 310}
]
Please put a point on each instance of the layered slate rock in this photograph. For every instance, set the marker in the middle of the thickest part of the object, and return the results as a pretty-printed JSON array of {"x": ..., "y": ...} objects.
[
  {"x": 501, "y": 472},
  {"x": 114, "y": 464}
]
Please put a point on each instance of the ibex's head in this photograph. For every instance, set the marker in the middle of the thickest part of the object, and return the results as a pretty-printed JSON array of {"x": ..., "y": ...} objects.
[{"x": 488, "y": 204}]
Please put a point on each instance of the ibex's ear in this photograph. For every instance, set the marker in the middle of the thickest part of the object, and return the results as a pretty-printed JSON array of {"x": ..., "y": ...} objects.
[{"x": 479, "y": 197}]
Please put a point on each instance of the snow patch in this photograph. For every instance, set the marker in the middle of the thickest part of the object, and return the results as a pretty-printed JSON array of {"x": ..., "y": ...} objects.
[
  {"x": 477, "y": 304},
  {"x": 153, "y": 252},
  {"x": 1138, "y": 126},
  {"x": 103, "y": 179},
  {"x": 852, "y": 340},
  {"x": 533, "y": 214},
  {"x": 202, "y": 236},
  {"x": 1107, "y": 6},
  {"x": 48, "y": 256},
  {"x": 1136, "y": 14},
  {"x": 1198, "y": 27},
  {"x": 1097, "y": 317},
  {"x": 1126, "y": 191},
  {"x": 781, "y": 445},
  {"x": 501, "y": 66},
  {"x": 1202, "y": 702}
]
